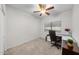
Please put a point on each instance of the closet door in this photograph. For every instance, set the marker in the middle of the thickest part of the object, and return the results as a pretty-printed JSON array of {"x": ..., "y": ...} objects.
[{"x": 1, "y": 31}]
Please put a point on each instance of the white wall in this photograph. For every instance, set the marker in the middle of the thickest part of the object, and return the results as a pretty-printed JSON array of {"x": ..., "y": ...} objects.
[
  {"x": 75, "y": 22},
  {"x": 65, "y": 18},
  {"x": 21, "y": 27}
]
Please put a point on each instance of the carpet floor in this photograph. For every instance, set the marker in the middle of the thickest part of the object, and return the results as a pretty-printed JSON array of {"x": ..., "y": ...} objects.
[{"x": 34, "y": 47}]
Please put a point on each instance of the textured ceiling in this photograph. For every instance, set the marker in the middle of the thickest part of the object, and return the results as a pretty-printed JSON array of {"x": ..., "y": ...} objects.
[{"x": 31, "y": 7}]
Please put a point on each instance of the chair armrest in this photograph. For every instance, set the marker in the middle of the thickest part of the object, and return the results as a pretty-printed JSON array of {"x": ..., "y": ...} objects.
[
  {"x": 59, "y": 38},
  {"x": 46, "y": 37}
]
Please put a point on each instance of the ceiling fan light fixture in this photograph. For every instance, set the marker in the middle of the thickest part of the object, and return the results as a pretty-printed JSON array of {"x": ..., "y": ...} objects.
[{"x": 43, "y": 9}]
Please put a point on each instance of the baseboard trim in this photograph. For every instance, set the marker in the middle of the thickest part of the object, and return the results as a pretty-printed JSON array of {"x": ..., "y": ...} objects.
[{"x": 22, "y": 43}]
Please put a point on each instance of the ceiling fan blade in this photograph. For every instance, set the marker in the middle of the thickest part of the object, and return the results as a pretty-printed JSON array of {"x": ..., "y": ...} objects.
[
  {"x": 36, "y": 11},
  {"x": 47, "y": 13},
  {"x": 50, "y": 8},
  {"x": 40, "y": 14},
  {"x": 42, "y": 6}
]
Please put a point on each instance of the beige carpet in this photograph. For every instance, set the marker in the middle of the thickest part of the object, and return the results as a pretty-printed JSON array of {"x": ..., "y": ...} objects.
[{"x": 34, "y": 47}]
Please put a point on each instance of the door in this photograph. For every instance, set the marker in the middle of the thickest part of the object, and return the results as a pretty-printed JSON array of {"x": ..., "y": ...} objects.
[{"x": 1, "y": 31}]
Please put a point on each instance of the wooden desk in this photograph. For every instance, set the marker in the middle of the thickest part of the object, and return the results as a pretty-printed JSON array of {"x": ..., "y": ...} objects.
[{"x": 66, "y": 51}]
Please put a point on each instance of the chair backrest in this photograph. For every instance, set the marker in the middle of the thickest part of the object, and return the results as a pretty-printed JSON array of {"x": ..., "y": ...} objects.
[{"x": 52, "y": 35}]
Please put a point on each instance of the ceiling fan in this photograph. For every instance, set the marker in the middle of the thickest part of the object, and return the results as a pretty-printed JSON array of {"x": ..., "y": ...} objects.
[{"x": 42, "y": 9}]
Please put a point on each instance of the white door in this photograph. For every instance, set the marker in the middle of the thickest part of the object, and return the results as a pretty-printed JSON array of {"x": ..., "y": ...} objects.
[{"x": 1, "y": 32}]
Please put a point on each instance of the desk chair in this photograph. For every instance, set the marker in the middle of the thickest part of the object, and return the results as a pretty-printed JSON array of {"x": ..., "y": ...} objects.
[{"x": 55, "y": 39}]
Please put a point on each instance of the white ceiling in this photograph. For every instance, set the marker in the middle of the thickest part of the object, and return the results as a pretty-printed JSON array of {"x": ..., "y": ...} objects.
[{"x": 31, "y": 7}]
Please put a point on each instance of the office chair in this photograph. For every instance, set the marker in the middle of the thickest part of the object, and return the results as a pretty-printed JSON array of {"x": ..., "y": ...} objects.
[{"x": 56, "y": 39}]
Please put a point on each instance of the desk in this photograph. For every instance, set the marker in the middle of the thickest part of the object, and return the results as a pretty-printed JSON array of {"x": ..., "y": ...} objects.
[
  {"x": 66, "y": 51},
  {"x": 64, "y": 36}
]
